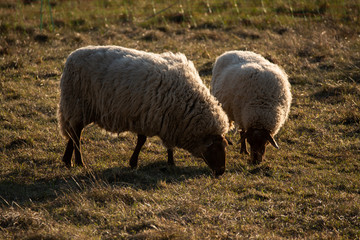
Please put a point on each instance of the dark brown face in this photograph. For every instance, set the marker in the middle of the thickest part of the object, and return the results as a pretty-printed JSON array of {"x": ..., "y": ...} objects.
[
  {"x": 214, "y": 154},
  {"x": 258, "y": 144},
  {"x": 258, "y": 139}
]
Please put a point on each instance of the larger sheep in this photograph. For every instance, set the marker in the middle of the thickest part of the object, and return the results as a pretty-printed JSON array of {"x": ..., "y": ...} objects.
[
  {"x": 122, "y": 89},
  {"x": 255, "y": 94}
]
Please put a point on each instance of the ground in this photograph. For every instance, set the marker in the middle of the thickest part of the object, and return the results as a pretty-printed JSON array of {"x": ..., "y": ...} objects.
[{"x": 309, "y": 188}]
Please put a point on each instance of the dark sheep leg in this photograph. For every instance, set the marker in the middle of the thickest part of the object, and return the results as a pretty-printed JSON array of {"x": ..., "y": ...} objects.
[
  {"x": 170, "y": 152},
  {"x": 73, "y": 144},
  {"x": 134, "y": 157},
  {"x": 77, "y": 146},
  {"x": 68, "y": 153},
  {"x": 243, "y": 148}
]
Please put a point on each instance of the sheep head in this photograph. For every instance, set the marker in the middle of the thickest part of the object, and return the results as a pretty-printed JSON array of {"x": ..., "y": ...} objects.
[
  {"x": 214, "y": 153},
  {"x": 258, "y": 140}
]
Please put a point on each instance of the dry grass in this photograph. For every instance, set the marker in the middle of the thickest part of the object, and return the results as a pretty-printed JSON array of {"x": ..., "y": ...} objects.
[{"x": 309, "y": 188}]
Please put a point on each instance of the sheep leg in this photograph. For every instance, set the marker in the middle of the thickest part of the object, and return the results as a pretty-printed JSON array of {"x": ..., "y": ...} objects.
[
  {"x": 73, "y": 144},
  {"x": 77, "y": 145},
  {"x": 68, "y": 153},
  {"x": 171, "y": 157},
  {"x": 134, "y": 157},
  {"x": 243, "y": 148}
]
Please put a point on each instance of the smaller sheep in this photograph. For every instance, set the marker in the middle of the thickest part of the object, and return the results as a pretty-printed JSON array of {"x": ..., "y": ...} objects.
[
  {"x": 255, "y": 94},
  {"x": 122, "y": 89}
]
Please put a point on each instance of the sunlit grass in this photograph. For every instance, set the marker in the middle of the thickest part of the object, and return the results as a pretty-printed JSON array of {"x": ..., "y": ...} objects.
[{"x": 309, "y": 188}]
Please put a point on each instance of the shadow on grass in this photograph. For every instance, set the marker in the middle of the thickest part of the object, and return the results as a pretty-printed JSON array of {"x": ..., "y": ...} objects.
[{"x": 145, "y": 177}]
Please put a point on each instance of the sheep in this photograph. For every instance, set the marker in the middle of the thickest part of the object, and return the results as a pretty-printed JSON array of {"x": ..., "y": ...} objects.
[
  {"x": 121, "y": 89},
  {"x": 255, "y": 94}
]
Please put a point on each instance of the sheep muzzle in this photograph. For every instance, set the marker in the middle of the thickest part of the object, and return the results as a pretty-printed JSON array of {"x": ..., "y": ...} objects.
[{"x": 215, "y": 154}]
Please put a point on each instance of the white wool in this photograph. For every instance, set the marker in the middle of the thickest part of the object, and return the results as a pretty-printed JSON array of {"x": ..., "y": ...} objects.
[
  {"x": 123, "y": 89},
  {"x": 254, "y": 92}
]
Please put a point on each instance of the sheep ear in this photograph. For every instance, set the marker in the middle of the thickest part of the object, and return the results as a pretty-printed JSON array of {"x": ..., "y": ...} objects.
[{"x": 272, "y": 141}]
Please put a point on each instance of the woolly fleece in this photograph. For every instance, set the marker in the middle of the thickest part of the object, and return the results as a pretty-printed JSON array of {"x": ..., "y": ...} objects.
[
  {"x": 123, "y": 89},
  {"x": 254, "y": 92}
]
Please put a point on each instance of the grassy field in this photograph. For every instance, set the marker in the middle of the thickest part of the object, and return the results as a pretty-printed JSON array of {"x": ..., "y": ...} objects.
[{"x": 308, "y": 189}]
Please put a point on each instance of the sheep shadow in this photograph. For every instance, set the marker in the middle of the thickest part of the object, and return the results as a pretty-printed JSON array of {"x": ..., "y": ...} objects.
[
  {"x": 149, "y": 176},
  {"x": 146, "y": 177}
]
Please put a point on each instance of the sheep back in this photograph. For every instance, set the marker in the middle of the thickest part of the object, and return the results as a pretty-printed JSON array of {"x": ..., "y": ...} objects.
[
  {"x": 123, "y": 89},
  {"x": 254, "y": 92}
]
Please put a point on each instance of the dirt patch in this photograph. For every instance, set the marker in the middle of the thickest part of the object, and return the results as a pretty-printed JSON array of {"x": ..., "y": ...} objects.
[
  {"x": 152, "y": 35},
  {"x": 41, "y": 38},
  {"x": 17, "y": 143}
]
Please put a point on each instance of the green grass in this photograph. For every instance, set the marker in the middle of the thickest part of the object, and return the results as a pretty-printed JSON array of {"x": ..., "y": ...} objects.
[{"x": 308, "y": 189}]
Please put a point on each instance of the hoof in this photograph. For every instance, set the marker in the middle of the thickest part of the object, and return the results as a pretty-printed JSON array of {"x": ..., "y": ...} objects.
[
  {"x": 244, "y": 151},
  {"x": 133, "y": 166},
  {"x": 80, "y": 164},
  {"x": 171, "y": 164},
  {"x": 254, "y": 163},
  {"x": 68, "y": 165}
]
